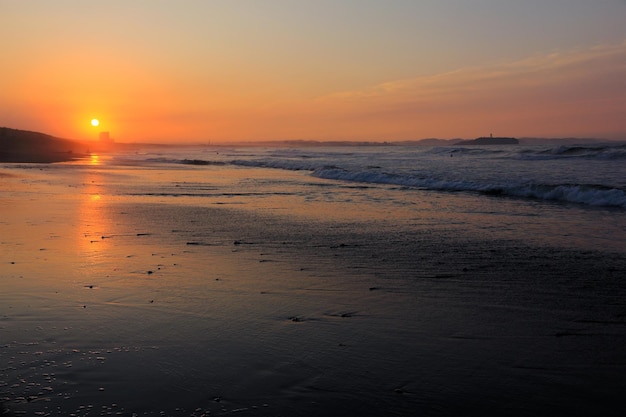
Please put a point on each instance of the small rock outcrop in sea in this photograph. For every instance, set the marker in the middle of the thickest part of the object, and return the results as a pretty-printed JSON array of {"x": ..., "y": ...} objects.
[{"x": 489, "y": 141}]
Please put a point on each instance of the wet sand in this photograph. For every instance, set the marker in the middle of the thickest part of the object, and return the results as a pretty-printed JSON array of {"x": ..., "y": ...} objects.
[{"x": 114, "y": 306}]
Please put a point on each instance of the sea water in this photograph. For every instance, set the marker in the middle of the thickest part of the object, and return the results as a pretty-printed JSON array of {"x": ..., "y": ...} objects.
[
  {"x": 565, "y": 194},
  {"x": 587, "y": 175}
]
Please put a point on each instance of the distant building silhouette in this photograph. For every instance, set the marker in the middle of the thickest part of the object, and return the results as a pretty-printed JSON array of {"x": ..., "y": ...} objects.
[{"x": 105, "y": 138}]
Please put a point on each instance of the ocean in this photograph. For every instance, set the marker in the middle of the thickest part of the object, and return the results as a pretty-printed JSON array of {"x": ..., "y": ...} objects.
[
  {"x": 569, "y": 195},
  {"x": 315, "y": 280}
]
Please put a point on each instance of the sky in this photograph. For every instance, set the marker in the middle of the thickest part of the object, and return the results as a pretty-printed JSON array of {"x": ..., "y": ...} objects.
[{"x": 245, "y": 70}]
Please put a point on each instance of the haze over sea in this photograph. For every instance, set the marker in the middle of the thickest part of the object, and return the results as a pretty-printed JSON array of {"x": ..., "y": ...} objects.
[{"x": 327, "y": 280}]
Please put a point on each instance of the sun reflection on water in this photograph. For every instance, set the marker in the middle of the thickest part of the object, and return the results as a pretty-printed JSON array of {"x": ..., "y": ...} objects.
[{"x": 93, "y": 222}]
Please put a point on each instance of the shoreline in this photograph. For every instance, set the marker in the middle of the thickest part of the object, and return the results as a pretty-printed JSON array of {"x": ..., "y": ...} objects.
[{"x": 36, "y": 157}]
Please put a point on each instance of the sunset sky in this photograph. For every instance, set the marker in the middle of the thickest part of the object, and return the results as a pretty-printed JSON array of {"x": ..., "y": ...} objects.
[{"x": 220, "y": 70}]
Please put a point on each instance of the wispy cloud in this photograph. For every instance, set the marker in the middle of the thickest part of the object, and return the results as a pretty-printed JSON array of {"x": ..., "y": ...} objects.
[
  {"x": 543, "y": 94},
  {"x": 578, "y": 66}
]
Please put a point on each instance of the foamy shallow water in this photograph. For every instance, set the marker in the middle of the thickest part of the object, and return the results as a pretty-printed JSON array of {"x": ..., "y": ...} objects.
[{"x": 169, "y": 289}]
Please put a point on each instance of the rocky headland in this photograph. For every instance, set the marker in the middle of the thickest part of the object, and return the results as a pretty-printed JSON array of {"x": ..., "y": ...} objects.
[{"x": 26, "y": 146}]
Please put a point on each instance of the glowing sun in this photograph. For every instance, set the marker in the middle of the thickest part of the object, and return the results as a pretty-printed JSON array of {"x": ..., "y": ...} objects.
[{"x": 95, "y": 122}]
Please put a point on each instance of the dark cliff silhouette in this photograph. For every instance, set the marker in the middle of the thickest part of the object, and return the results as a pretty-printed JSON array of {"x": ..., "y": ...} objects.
[{"x": 26, "y": 146}]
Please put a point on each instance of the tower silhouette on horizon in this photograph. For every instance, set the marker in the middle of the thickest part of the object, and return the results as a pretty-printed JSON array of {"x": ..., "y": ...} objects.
[{"x": 105, "y": 137}]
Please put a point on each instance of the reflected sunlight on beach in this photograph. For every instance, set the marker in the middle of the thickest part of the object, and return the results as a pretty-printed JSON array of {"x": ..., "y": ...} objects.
[
  {"x": 94, "y": 159},
  {"x": 93, "y": 228}
]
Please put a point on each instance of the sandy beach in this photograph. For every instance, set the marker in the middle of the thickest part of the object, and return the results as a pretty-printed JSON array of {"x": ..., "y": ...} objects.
[{"x": 128, "y": 305}]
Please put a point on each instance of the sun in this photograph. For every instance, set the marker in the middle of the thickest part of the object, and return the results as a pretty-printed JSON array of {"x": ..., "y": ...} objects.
[{"x": 95, "y": 122}]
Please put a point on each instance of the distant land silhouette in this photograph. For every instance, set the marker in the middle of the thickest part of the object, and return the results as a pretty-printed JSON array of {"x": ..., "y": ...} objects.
[
  {"x": 35, "y": 147},
  {"x": 27, "y": 146},
  {"x": 489, "y": 141}
]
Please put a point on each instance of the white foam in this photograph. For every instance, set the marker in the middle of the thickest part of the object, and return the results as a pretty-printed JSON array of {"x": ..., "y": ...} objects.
[{"x": 582, "y": 194}]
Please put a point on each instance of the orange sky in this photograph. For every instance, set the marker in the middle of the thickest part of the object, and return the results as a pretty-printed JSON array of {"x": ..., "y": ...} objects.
[{"x": 351, "y": 70}]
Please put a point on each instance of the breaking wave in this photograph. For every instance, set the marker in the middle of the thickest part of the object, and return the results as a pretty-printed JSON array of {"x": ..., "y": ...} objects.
[
  {"x": 609, "y": 152},
  {"x": 521, "y": 174},
  {"x": 286, "y": 164},
  {"x": 588, "y": 194},
  {"x": 600, "y": 152}
]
